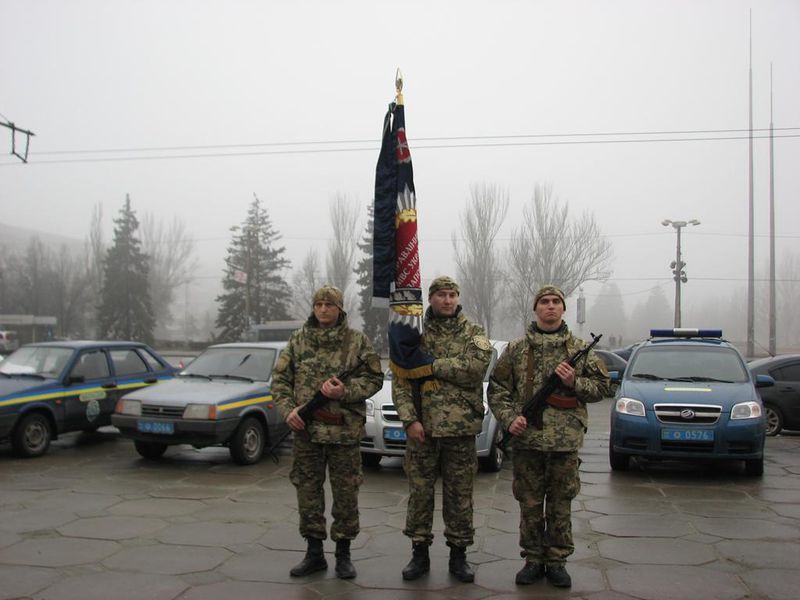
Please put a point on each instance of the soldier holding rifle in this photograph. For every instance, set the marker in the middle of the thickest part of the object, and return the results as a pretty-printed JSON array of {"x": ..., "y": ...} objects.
[
  {"x": 545, "y": 453},
  {"x": 307, "y": 372}
]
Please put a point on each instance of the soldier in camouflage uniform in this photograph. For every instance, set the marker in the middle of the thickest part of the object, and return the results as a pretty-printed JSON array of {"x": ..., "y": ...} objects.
[
  {"x": 442, "y": 438},
  {"x": 323, "y": 347},
  {"x": 546, "y": 463}
]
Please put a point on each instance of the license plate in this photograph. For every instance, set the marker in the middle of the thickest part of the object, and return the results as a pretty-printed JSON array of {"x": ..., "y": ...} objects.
[
  {"x": 155, "y": 427},
  {"x": 688, "y": 435},
  {"x": 396, "y": 434}
]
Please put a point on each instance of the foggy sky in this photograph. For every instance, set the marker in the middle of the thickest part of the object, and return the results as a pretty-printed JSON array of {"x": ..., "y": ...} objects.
[{"x": 213, "y": 78}]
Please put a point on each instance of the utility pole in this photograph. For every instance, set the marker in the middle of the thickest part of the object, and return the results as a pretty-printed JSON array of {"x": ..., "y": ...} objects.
[
  {"x": 772, "y": 325},
  {"x": 751, "y": 328},
  {"x": 679, "y": 275}
]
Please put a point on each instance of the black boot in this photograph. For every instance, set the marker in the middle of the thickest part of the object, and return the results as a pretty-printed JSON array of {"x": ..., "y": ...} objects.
[
  {"x": 459, "y": 565},
  {"x": 314, "y": 560},
  {"x": 530, "y": 573},
  {"x": 557, "y": 575},
  {"x": 419, "y": 564},
  {"x": 344, "y": 567}
]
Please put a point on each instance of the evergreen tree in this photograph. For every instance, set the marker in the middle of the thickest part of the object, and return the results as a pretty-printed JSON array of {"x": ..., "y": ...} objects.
[
  {"x": 125, "y": 311},
  {"x": 375, "y": 320},
  {"x": 255, "y": 290}
]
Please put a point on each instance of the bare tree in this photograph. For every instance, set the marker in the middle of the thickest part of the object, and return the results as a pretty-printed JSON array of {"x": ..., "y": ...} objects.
[
  {"x": 95, "y": 255},
  {"x": 304, "y": 281},
  {"x": 340, "y": 262},
  {"x": 551, "y": 248},
  {"x": 70, "y": 292},
  {"x": 477, "y": 261},
  {"x": 171, "y": 263}
]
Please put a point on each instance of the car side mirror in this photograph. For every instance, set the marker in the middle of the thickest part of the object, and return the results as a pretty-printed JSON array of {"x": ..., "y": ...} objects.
[{"x": 764, "y": 381}]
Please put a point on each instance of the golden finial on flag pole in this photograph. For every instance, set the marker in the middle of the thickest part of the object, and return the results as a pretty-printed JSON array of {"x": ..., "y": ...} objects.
[{"x": 398, "y": 84}]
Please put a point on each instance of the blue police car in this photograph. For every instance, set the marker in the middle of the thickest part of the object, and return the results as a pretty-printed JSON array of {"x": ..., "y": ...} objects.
[
  {"x": 688, "y": 395},
  {"x": 54, "y": 387}
]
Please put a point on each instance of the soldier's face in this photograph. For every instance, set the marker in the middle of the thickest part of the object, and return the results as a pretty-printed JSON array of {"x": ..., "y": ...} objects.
[
  {"x": 444, "y": 303},
  {"x": 327, "y": 313},
  {"x": 549, "y": 310}
]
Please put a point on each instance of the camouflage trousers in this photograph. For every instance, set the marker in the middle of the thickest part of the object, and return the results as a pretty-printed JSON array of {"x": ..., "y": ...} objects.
[
  {"x": 308, "y": 476},
  {"x": 454, "y": 458},
  {"x": 544, "y": 485}
]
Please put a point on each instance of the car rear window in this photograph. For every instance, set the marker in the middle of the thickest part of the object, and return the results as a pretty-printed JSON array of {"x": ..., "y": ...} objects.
[{"x": 688, "y": 363}]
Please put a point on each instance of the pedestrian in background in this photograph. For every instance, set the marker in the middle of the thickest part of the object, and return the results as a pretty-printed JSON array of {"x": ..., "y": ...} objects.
[
  {"x": 546, "y": 462},
  {"x": 323, "y": 347},
  {"x": 441, "y": 429}
]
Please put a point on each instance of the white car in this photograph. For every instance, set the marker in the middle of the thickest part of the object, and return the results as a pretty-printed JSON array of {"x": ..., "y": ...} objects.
[{"x": 385, "y": 436}]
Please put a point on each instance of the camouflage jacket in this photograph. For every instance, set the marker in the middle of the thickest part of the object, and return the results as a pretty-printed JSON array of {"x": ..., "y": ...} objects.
[
  {"x": 562, "y": 429},
  {"x": 314, "y": 354},
  {"x": 461, "y": 353}
]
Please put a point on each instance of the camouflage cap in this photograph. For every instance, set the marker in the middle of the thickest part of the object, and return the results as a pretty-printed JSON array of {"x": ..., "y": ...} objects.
[
  {"x": 549, "y": 290},
  {"x": 443, "y": 283},
  {"x": 329, "y": 293}
]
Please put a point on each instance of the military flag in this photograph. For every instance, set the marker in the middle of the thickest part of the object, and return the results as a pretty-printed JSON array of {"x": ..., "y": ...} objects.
[{"x": 396, "y": 267}]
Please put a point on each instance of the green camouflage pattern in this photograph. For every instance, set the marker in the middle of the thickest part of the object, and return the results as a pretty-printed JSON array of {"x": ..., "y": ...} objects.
[
  {"x": 455, "y": 459},
  {"x": 544, "y": 485},
  {"x": 461, "y": 353},
  {"x": 308, "y": 476},
  {"x": 562, "y": 429},
  {"x": 314, "y": 354}
]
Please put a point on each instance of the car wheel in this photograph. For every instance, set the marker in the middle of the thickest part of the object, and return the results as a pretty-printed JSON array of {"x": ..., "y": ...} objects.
[
  {"x": 493, "y": 462},
  {"x": 619, "y": 462},
  {"x": 755, "y": 467},
  {"x": 247, "y": 443},
  {"x": 372, "y": 461},
  {"x": 150, "y": 450},
  {"x": 774, "y": 420},
  {"x": 32, "y": 436}
]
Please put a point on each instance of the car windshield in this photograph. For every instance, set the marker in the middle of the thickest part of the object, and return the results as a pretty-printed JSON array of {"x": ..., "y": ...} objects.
[
  {"x": 44, "y": 361},
  {"x": 248, "y": 363},
  {"x": 686, "y": 363}
]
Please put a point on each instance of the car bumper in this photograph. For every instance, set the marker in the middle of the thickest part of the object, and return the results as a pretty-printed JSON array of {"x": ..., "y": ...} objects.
[
  {"x": 194, "y": 432},
  {"x": 642, "y": 436}
]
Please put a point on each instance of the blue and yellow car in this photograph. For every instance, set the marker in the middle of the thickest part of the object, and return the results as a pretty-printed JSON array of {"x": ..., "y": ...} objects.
[
  {"x": 51, "y": 388},
  {"x": 222, "y": 397},
  {"x": 687, "y": 394}
]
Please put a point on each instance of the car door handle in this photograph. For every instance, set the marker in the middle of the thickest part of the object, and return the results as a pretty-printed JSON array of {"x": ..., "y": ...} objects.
[{"x": 109, "y": 386}]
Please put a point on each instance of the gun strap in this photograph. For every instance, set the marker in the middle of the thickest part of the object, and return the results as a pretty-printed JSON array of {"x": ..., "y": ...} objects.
[{"x": 529, "y": 375}]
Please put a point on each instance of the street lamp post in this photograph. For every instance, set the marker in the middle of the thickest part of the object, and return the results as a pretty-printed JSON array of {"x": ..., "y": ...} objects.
[{"x": 679, "y": 275}]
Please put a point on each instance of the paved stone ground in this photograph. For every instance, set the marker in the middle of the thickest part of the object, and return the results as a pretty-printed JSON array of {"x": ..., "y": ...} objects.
[{"x": 91, "y": 520}]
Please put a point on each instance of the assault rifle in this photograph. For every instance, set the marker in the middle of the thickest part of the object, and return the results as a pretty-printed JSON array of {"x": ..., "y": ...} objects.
[
  {"x": 315, "y": 409},
  {"x": 533, "y": 409}
]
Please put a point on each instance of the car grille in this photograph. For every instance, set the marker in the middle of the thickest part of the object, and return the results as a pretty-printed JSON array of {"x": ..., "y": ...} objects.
[
  {"x": 149, "y": 410},
  {"x": 688, "y": 414},
  {"x": 389, "y": 413}
]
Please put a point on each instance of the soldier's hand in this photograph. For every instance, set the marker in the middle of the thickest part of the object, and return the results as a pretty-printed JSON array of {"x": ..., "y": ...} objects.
[
  {"x": 518, "y": 425},
  {"x": 333, "y": 388},
  {"x": 294, "y": 421},
  {"x": 416, "y": 432},
  {"x": 567, "y": 374}
]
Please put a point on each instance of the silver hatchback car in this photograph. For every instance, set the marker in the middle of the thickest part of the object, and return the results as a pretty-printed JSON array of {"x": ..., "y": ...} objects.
[{"x": 385, "y": 436}]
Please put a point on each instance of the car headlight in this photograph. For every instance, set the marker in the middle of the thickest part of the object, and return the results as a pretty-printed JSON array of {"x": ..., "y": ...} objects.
[
  {"x": 129, "y": 407},
  {"x": 629, "y": 406},
  {"x": 200, "y": 411},
  {"x": 370, "y": 408},
  {"x": 746, "y": 410}
]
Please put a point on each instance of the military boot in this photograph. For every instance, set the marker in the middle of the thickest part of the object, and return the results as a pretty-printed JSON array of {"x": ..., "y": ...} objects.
[
  {"x": 530, "y": 573},
  {"x": 419, "y": 564},
  {"x": 314, "y": 560},
  {"x": 557, "y": 575},
  {"x": 459, "y": 566},
  {"x": 344, "y": 567}
]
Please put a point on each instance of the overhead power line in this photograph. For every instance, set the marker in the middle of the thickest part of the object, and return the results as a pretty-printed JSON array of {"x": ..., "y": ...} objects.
[{"x": 422, "y": 143}]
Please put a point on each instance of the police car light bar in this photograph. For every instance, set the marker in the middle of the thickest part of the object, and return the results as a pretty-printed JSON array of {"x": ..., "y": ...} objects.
[{"x": 686, "y": 332}]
